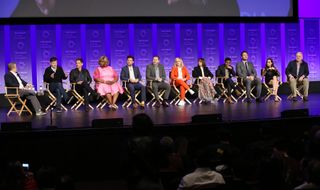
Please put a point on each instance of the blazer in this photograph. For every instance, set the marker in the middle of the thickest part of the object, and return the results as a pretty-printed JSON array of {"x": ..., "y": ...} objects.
[
  {"x": 124, "y": 75},
  {"x": 241, "y": 70},
  {"x": 74, "y": 74},
  {"x": 174, "y": 73},
  {"x": 11, "y": 81},
  {"x": 292, "y": 69},
  {"x": 221, "y": 71},
  {"x": 58, "y": 76},
  {"x": 196, "y": 72},
  {"x": 151, "y": 72}
]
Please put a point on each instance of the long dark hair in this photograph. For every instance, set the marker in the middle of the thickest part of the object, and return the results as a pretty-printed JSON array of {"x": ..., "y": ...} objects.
[
  {"x": 272, "y": 63},
  {"x": 202, "y": 61}
]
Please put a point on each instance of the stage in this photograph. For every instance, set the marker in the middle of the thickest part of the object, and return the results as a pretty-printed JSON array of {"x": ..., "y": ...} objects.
[{"x": 172, "y": 115}]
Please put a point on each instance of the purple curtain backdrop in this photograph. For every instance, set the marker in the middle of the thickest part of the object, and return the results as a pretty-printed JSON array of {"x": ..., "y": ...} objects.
[{"x": 31, "y": 46}]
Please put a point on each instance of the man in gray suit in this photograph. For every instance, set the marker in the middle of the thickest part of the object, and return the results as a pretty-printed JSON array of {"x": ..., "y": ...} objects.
[
  {"x": 157, "y": 74},
  {"x": 247, "y": 72}
]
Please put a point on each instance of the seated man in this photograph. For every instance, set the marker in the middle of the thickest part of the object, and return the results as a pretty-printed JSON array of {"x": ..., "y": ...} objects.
[
  {"x": 226, "y": 70},
  {"x": 13, "y": 79},
  {"x": 132, "y": 75},
  {"x": 297, "y": 72},
  {"x": 248, "y": 74},
  {"x": 54, "y": 75},
  {"x": 82, "y": 78},
  {"x": 157, "y": 74}
]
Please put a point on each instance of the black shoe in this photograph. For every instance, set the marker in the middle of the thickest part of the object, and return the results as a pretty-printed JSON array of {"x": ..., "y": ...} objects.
[
  {"x": 157, "y": 104},
  {"x": 87, "y": 109},
  {"x": 305, "y": 98},
  {"x": 165, "y": 103},
  {"x": 259, "y": 100},
  {"x": 59, "y": 110},
  {"x": 294, "y": 99}
]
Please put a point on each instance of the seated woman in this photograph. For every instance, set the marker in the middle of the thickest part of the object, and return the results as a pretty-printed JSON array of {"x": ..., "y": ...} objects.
[
  {"x": 107, "y": 82},
  {"x": 271, "y": 74},
  {"x": 180, "y": 76},
  {"x": 206, "y": 89}
]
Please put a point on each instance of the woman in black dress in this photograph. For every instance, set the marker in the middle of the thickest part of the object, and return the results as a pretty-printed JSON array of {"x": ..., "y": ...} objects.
[{"x": 271, "y": 74}]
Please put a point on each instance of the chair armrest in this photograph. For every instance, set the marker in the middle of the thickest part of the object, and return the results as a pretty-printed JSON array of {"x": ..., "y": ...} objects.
[
  {"x": 124, "y": 83},
  {"x": 73, "y": 86},
  {"x": 12, "y": 88}
]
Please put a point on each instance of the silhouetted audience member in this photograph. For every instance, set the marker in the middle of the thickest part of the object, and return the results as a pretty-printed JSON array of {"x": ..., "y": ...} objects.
[
  {"x": 143, "y": 150},
  {"x": 16, "y": 178},
  {"x": 313, "y": 177},
  {"x": 203, "y": 177}
]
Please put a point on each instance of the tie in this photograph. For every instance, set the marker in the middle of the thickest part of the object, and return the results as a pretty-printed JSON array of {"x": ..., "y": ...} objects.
[{"x": 247, "y": 69}]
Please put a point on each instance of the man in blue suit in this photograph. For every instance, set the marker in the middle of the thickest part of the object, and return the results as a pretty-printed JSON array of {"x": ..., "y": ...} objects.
[{"x": 131, "y": 74}]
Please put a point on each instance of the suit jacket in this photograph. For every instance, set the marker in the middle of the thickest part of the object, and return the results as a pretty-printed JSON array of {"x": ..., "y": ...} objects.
[
  {"x": 151, "y": 72},
  {"x": 241, "y": 70},
  {"x": 174, "y": 73},
  {"x": 221, "y": 71},
  {"x": 124, "y": 75},
  {"x": 74, "y": 74},
  {"x": 292, "y": 69},
  {"x": 11, "y": 81},
  {"x": 196, "y": 72}
]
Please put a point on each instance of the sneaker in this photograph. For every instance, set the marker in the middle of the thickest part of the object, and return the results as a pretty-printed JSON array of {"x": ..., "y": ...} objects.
[
  {"x": 181, "y": 103},
  {"x": 191, "y": 91},
  {"x": 40, "y": 113},
  {"x": 165, "y": 103},
  {"x": 157, "y": 105}
]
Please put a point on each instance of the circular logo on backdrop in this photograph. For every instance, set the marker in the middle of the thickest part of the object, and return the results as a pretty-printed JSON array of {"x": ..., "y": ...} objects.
[
  {"x": 232, "y": 32},
  {"x": 189, "y": 51},
  {"x": 45, "y": 34},
  {"x": 95, "y": 34},
  {"x": 119, "y": 44},
  {"x": 210, "y": 42},
  {"x": 45, "y": 54},
  {"x": 231, "y": 50},
  {"x": 143, "y": 52},
  {"x": 166, "y": 61},
  {"x": 143, "y": 33},
  {"x": 95, "y": 53},
  {"x": 20, "y": 45},
  {"x": 166, "y": 42},
  {"x": 71, "y": 44},
  {"x": 189, "y": 32}
]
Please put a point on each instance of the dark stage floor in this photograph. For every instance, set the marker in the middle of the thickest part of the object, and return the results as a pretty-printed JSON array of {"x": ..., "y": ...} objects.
[{"x": 171, "y": 115}]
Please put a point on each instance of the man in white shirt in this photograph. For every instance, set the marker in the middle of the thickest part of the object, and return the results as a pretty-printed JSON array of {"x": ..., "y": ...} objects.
[
  {"x": 131, "y": 74},
  {"x": 203, "y": 176},
  {"x": 13, "y": 79}
]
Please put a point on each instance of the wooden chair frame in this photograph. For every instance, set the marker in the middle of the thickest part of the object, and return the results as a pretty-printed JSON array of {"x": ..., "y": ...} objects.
[{"x": 14, "y": 99}]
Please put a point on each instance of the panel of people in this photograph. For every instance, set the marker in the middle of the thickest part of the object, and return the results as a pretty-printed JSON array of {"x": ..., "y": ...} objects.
[{"x": 107, "y": 80}]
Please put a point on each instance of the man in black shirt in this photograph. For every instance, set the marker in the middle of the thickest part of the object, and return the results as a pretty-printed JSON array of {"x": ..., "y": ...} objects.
[
  {"x": 81, "y": 77},
  {"x": 54, "y": 76}
]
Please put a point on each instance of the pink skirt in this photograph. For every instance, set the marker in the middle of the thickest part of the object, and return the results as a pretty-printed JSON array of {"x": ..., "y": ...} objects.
[{"x": 104, "y": 89}]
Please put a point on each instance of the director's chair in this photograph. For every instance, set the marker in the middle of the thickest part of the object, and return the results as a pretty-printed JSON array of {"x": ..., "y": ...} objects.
[{"x": 14, "y": 100}]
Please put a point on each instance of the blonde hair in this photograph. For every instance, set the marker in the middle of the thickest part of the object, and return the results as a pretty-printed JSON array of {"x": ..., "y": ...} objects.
[
  {"x": 11, "y": 66},
  {"x": 103, "y": 61},
  {"x": 176, "y": 60}
]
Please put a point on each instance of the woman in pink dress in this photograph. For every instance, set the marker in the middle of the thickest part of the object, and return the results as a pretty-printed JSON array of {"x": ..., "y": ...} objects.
[{"x": 107, "y": 82}]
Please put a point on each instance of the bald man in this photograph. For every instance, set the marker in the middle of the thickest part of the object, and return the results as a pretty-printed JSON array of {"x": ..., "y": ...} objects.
[{"x": 297, "y": 73}]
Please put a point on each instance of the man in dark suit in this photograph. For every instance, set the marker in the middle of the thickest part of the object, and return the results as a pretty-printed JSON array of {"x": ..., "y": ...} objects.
[
  {"x": 131, "y": 74},
  {"x": 13, "y": 79},
  {"x": 297, "y": 72},
  {"x": 81, "y": 77},
  {"x": 248, "y": 74},
  {"x": 54, "y": 75},
  {"x": 157, "y": 74},
  {"x": 227, "y": 72}
]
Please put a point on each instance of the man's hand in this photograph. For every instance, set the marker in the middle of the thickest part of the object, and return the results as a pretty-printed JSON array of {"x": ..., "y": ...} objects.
[
  {"x": 250, "y": 78},
  {"x": 52, "y": 75},
  {"x": 108, "y": 82},
  {"x": 290, "y": 76},
  {"x": 229, "y": 67},
  {"x": 79, "y": 82},
  {"x": 159, "y": 79},
  {"x": 301, "y": 78}
]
